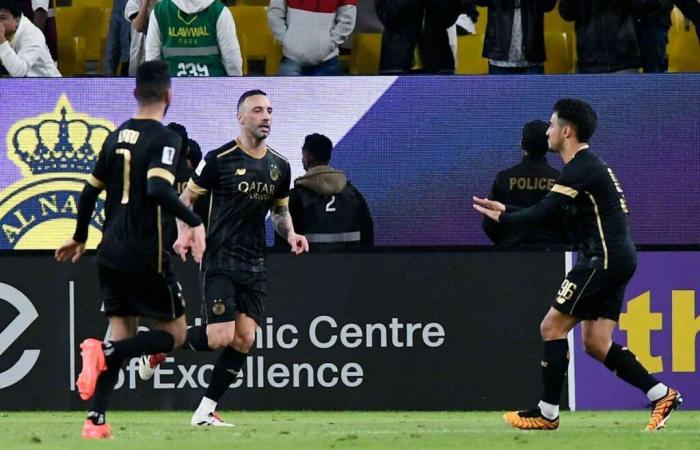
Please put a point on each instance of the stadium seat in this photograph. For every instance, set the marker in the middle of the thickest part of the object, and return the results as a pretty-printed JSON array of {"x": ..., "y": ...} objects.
[
  {"x": 366, "y": 50},
  {"x": 559, "y": 55},
  {"x": 469, "y": 59},
  {"x": 273, "y": 57},
  {"x": 253, "y": 2},
  {"x": 251, "y": 22},
  {"x": 683, "y": 46},
  {"x": 71, "y": 56},
  {"x": 89, "y": 25},
  {"x": 554, "y": 22},
  {"x": 482, "y": 20}
]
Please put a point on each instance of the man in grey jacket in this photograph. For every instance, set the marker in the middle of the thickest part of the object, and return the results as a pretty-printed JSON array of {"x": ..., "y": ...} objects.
[{"x": 310, "y": 34}]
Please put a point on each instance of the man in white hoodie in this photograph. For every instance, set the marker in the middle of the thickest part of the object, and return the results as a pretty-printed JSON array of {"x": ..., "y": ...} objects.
[
  {"x": 197, "y": 37},
  {"x": 310, "y": 33},
  {"x": 23, "y": 50}
]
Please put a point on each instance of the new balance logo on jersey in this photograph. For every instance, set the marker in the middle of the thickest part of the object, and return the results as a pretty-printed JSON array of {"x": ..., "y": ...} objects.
[{"x": 240, "y": 172}]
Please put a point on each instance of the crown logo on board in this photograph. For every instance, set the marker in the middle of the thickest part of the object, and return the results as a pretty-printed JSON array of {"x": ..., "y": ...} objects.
[{"x": 58, "y": 142}]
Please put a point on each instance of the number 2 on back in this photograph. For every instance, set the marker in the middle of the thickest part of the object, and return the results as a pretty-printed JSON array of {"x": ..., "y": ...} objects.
[{"x": 329, "y": 205}]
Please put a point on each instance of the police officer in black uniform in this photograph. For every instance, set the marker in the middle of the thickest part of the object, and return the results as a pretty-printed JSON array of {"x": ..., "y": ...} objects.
[
  {"x": 325, "y": 206},
  {"x": 524, "y": 185}
]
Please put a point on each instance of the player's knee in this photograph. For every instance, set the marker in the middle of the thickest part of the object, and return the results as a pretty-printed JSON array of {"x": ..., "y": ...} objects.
[
  {"x": 219, "y": 338},
  {"x": 243, "y": 342},
  {"x": 596, "y": 347},
  {"x": 179, "y": 336}
]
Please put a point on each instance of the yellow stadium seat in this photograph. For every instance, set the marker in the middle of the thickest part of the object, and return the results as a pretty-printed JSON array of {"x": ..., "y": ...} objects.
[
  {"x": 251, "y": 22},
  {"x": 683, "y": 46},
  {"x": 88, "y": 24},
  {"x": 71, "y": 56},
  {"x": 366, "y": 50},
  {"x": 554, "y": 22},
  {"x": 482, "y": 20},
  {"x": 559, "y": 55},
  {"x": 273, "y": 57},
  {"x": 469, "y": 59}
]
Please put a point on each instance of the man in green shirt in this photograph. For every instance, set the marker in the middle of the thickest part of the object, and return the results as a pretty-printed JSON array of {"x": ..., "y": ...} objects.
[{"x": 197, "y": 37}]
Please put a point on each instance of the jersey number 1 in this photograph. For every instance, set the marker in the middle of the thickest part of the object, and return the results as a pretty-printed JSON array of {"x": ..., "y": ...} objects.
[{"x": 127, "y": 172}]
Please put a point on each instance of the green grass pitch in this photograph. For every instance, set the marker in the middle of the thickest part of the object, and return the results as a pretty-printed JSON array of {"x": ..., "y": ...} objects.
[{"x": 279, "y": 430}]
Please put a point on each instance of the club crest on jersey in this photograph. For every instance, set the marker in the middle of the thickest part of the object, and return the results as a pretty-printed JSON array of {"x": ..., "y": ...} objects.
[
  {"x": 219, "y": 308},
  {"x": 274, "y": 172},
  {"x": 55, "y": 152}
]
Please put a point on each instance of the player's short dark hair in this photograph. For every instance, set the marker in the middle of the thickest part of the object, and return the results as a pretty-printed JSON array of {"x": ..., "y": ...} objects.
[
  {"x": 195, "y": 153},
  {"x": 579, "y": 114},
  {"x": 247, "y": 94},
  {"x": 319, "y": 146},
  {"x": 152, "y": 81},
  {"x": 534, "y": 139},
  {"x": 14, "y": 6}
]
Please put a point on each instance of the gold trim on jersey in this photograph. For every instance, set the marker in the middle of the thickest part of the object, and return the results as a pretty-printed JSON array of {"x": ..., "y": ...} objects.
[
  {"x": 279, "y": 155},
  {"x": 161, "y": 173},
  {"x": 565, "y": 190},
  {"x": 247, "y": 152},
  {"x": 600, "y": 230},
  {"x": 95, "y": 182},
  {"x": 232, "y": 149},
  {"x": 160, "y": 242},
  {"x": 282, "y": 201},
  {"x": 197, "y": 189}
]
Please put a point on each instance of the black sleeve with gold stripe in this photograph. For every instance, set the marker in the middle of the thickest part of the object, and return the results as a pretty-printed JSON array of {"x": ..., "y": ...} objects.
[
  {"x": 205, "y": 176},
  {"x": 161, "y": 190}
]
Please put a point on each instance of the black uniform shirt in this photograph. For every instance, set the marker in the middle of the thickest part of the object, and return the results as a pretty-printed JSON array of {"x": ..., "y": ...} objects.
[{"x": 241, "y": 190}]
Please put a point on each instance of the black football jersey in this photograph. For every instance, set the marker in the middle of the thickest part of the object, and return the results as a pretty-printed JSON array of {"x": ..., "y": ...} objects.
[
  {"x": 133, "y": 233},
  {"x": 241, "y": 189},
  {"x": 601, "y": 214}
]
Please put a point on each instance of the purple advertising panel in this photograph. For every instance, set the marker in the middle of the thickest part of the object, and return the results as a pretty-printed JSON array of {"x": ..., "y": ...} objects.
[{"x": 660, "y": 324}]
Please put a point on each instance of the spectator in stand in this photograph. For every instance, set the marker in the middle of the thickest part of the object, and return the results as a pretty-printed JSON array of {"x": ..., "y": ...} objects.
[
  {"x": 605, "y": 37},
  {"x": 42, "y": 13},
  {"x": 366, "y": 22},
  {"x": 310, "y": 35},
  {"x": 137, "y": 13},
  {"x": 514, "y": 41},
  {"x": 116, "y": 61},
  {"x": 418, "y": 23},
  {"x": 200, "y": 40},
  {"x": 651, "y": 23},
  {"x": 23, "y": 50}
]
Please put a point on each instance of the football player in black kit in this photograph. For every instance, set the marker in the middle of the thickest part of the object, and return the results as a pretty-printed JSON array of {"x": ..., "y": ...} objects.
[
  {"x": 243, "y": 180},
  {"x": 136, "y": 167},
  {"x": 593, "y": 291}
]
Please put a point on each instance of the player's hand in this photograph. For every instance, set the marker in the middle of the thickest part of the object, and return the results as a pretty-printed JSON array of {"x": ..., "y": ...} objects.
[
  {"x": 183, "y": 242},
  {"x": 70, "y": 250},
  {"x": 199, "y": 242},
  {"x": 298, "y": 243},
  {"x": 489, "y": 204},
  {"x": 490, "y": 208}
]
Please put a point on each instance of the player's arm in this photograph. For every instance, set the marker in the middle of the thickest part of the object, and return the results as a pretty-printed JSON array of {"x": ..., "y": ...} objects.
[
  {"x": 284, "y": 226},
  {"x": 551, "y": 206},
  {"x": 73, "y": 248},
  {"x": 281, "y": 217}
]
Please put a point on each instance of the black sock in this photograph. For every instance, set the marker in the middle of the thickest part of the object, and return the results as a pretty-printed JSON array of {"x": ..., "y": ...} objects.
[
  {"x": 103, "y": 390},
  {"x": 555, "y": 361},
  {"x": 197, "y": 339},
  {"x": 625, "y": 365},
  {"x": 226, "y": 370},
  {"x": 145, "y": 343}
]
